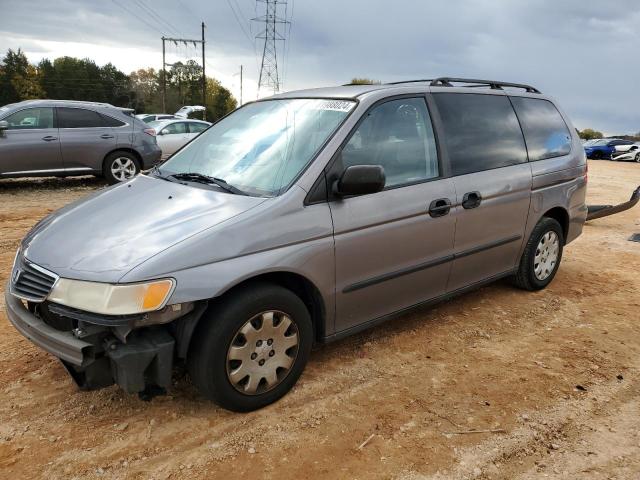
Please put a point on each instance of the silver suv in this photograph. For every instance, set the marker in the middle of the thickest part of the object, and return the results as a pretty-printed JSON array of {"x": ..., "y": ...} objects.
[
  {"x": 64, "y": 138},
  {"x": 301, "y": 219}
]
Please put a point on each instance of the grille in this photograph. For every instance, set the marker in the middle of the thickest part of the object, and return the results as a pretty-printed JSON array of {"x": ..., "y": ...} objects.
[{"x": 30, "y": 281}]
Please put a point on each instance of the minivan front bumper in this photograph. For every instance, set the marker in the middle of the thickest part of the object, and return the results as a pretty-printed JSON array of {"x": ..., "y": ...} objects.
[{"x": 96, "y": 358}]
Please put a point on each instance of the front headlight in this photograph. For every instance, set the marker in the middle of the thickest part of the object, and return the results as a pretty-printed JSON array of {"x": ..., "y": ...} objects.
[{"x": 108, "y": 299}]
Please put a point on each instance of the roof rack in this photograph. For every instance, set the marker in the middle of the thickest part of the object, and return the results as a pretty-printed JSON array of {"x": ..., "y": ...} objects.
[
  {"x": 447, "y": 82},
  {"x": 410, "y": 81}
]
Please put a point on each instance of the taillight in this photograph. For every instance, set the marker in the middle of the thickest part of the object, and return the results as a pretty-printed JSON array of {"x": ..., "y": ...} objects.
[{"x": 150, "y": 131}]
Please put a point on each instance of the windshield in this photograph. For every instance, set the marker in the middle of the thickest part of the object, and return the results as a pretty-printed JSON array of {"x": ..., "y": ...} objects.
[
  {"x": 600, "y": 142},
  {"x": 262, "y": 147}
]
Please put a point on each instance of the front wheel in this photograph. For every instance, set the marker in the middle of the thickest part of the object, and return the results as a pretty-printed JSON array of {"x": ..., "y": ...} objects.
[
  {"x": 120, "y": 167},
  {"x": 542, "y": 255},
  {"x": 251, "y": 348},
  {"x": 637, "y": 157}
]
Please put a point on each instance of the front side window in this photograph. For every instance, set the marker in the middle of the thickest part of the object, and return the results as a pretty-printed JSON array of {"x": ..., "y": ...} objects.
[
  {"x": 78, "y": 118},
  {"x": 481, "y": 131},
  {"x": 175, "y": 129},
  {"x": 397, "y": 135},
  {"x": 262, "y": 147},
  {"x": 30, "y": 119},
  {"x": 545, "y": 132}
]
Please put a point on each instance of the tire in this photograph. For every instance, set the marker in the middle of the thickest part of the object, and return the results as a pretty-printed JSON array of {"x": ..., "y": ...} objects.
[
  {"x": 637, "y": 158},
  {"x": 597, "y": 155},
  {"x": 534, "y": 273},
  {"x": 120, "y": 166},
  {"x": 218, "y": 342}
]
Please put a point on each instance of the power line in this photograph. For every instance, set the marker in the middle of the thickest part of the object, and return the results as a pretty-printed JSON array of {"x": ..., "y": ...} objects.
[
  {"x": 157, "y": 18},
  {"x": 235, "y": 15},
  {"x": 137, "y": 16}
]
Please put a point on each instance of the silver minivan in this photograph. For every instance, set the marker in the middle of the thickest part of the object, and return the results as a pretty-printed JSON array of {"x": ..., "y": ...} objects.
[{"x": 297, "y": 220}]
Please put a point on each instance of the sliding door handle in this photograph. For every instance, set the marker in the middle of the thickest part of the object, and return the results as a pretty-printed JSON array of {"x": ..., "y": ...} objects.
[
  {"x": 49, "y": 138},
  {"x": 471, "y": 200},
  {"x": 440, "y": 207}
]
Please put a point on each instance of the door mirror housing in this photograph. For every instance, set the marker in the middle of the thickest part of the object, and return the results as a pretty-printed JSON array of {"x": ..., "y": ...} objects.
[
  {"x": 4, "y": 125},
  {"x": 360, "y": 180}
]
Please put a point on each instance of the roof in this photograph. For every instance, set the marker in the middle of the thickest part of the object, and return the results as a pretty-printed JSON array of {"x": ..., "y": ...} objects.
[
  {"x": 354, "y": 91},
  {"x": 65, "y": 102}
]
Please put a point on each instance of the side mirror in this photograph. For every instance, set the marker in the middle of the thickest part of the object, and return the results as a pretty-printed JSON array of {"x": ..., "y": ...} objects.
[
  {"x": 4, "y": 125},
  {"x": 360, "y": 180}
]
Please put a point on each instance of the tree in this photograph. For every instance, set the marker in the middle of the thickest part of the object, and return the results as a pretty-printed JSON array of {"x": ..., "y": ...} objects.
[
  {"x": 590, "y": 134},
  {"x": 18, "y": 79}
]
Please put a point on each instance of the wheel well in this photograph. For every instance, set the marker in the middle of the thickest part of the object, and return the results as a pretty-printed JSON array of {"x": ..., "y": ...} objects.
[
  {"x": 302, "y": 287},
  {"x": 562, "y": 217},
  {"x": 124, "y": 149}
]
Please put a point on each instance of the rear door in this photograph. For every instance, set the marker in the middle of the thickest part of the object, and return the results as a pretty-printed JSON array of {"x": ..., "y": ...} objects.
[
  {"x": 492, "y": 178},
  {"x": 390, "y": 253},
  {"x": 85, "y": 138},
  {"x": 31, "y": 144}
]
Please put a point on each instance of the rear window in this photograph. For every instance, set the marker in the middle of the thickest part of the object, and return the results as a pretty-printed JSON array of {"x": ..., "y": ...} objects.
[
  {"x": 545, "y": 131},
  {"x": 481, "y": 132},
  {"x": 78, "y": 118}
]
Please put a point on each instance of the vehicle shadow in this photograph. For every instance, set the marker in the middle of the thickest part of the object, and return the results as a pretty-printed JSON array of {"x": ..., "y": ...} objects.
[{"x": 11, "y": 185}]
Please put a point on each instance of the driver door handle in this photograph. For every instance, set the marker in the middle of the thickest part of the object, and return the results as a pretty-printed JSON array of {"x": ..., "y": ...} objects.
[
  {"x": 439, "y": 207},
  {"x": 49, "y": 138},
  {"x": 471, "y": 200}
]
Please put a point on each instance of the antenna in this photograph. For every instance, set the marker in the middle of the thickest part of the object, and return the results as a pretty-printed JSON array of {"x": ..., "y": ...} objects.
[{"x": 273, "y": 25}]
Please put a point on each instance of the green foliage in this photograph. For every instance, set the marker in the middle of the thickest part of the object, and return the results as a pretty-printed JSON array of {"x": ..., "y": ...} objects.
[
  {"x": 70, "y": 78},
  {"x": 590, "y": 134},
  {"x": 364, "y": 81}
]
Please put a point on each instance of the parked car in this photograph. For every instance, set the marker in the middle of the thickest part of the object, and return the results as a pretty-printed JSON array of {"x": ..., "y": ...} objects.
[
  {"x": 187, "y": 110},
  {"x": 300, "y": 219},
  {"x": 632, "y": 154},
  {"x": 172, "y": 135},
  {"x": 622, "y": 149},
  {"x": 604, "y": 148},
  {"x": 588, "y": 143},
  {"x": 65, "y": 138},
  {"x": 154, "y": 117}
]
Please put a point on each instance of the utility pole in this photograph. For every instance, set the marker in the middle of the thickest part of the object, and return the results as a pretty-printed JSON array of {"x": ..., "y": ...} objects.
[
  {"x": 269, "y": 77},
  {"x": 164, "y": 79},
  {"x": 165, "y": 64},
  {"x": 240, "y": 85},
  {"x": 204, "y": 80}
]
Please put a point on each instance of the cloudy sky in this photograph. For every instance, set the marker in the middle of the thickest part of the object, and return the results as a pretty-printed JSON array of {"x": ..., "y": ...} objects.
[{"x": 582, "y": 52}]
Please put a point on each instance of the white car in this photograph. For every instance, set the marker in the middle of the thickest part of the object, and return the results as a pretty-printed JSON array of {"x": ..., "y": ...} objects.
[
  {"x": 173, "y": 134},
  {"x": 631, "y": 153}
]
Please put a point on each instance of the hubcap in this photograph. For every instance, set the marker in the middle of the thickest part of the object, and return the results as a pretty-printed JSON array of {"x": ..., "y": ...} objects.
[
  {"x": 262, "y": 352},
  {"x": 546, "y": 256},
  {"x": 123, "y": 168}
]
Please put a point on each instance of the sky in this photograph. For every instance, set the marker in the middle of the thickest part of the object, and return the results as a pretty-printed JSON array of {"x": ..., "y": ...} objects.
[{"x": 581, "y": 52}]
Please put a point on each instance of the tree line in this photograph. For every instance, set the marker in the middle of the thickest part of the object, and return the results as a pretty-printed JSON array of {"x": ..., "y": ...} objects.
[{"x": 69, "y": 78}]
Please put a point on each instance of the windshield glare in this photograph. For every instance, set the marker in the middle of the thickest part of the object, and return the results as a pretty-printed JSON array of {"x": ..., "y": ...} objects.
[{"x": 262, "y": 147}]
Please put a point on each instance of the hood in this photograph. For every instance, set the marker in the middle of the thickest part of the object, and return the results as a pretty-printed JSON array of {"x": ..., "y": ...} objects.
[{"x": 102, "y": 237}]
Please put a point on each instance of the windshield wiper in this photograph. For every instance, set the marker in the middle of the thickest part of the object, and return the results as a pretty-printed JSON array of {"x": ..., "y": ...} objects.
[{"x": 207, "y": 180}]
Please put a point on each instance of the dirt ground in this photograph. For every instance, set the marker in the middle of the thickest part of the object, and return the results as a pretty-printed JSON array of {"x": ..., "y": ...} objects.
[{"x": 554, "y": 376}]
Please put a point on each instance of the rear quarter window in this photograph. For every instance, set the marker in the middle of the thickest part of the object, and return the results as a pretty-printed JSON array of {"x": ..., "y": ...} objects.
[
  {"x": 545, "y": 131},
  {"x": 481, "y": 132},
  {"x": 111, "y": 122}
]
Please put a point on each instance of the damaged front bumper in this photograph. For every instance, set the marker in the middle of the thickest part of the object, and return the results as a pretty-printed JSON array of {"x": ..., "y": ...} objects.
[{"x": 98, "y": 355}]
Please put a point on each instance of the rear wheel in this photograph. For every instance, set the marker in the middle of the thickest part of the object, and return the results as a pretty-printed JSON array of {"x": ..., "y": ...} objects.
[
  {"x": 251, "y": 348},
  {"x": 637, "y": 157},
  {"x": 597, "y": 155},
  {"x": 542, "y": 255},
  {"x": 120, "y": 166}
]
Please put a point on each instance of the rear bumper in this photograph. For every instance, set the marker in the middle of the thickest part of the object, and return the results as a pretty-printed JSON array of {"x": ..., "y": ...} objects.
[
  {"x": 151, "y": 156},
  {"x": 93, "y": 355}
]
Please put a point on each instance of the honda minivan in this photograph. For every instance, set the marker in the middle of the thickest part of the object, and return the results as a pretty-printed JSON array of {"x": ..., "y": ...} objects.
[{"x": 297, "y": 220}]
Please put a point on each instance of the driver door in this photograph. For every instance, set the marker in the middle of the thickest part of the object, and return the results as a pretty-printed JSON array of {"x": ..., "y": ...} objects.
[
  {"x": 172, "y": 137},
  {"x": 390, "y": 252}
]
